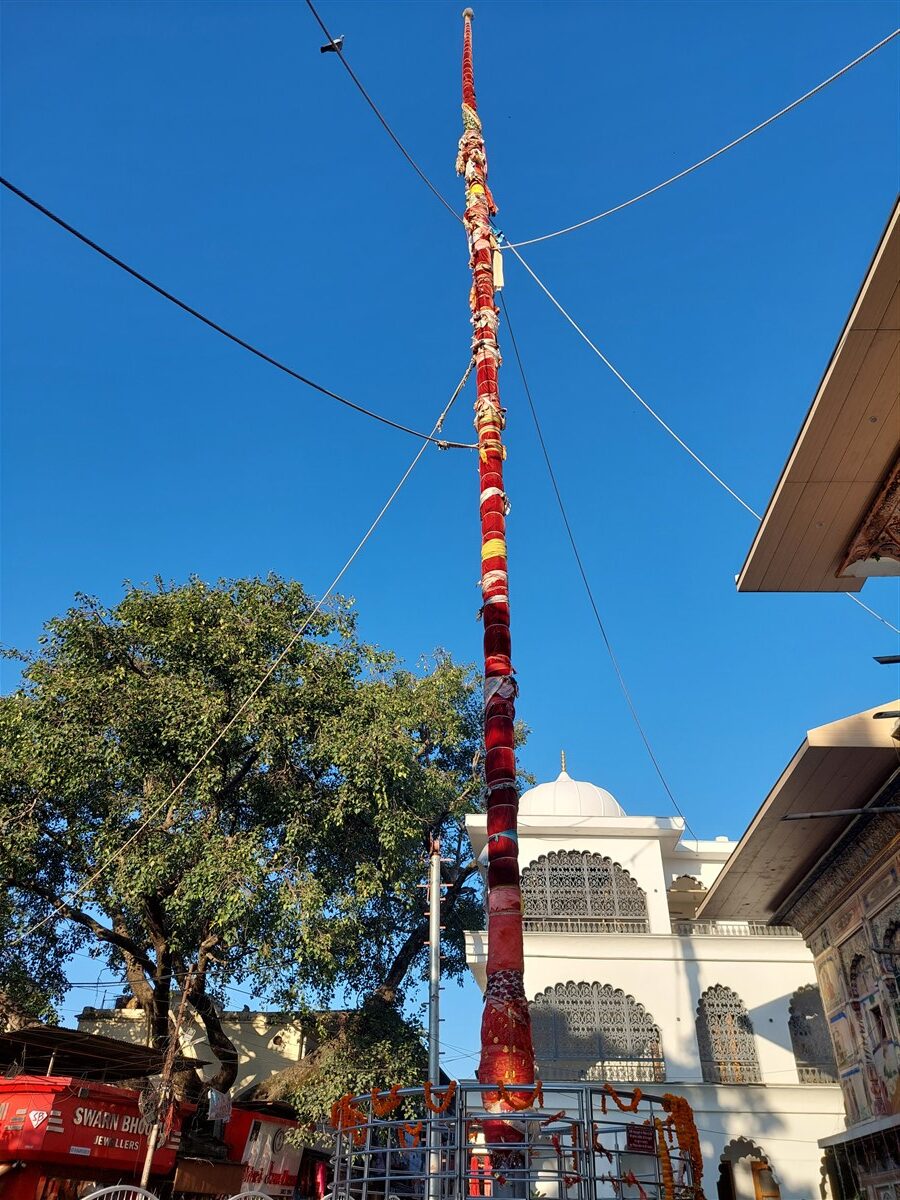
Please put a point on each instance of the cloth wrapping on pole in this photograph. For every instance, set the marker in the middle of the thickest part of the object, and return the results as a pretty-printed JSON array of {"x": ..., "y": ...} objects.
[{"x": 507, "y": 1053}]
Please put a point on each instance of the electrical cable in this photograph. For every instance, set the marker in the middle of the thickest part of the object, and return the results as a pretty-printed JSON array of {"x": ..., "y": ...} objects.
[
  {"x": 668, "y": 428},
  {"x": 270, "y": 670},
  {"x": 375, "y": 109},
  {"x": 232, "y": 337},
  {"x": 587, "y": 586},
  {"x": 717, "y": 153}
]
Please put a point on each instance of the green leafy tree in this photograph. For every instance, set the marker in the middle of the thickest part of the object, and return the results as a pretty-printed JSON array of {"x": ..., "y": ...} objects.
[{"x": 287, "y": 860}]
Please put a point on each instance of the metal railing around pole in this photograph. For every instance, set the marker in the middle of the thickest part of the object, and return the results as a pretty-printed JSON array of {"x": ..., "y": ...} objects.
[{"x": 579, "y": 1144}]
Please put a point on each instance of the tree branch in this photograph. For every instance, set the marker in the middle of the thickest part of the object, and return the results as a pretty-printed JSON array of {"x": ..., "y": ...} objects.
[
  {"x": 114, "y": 938},
  {"x": 388, "y": 989}
]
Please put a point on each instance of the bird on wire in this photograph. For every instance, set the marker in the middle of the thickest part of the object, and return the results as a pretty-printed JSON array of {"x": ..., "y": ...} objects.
[{"x": 333, "y": 47}]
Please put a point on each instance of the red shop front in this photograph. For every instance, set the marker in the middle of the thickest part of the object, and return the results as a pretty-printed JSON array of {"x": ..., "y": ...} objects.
[{"x": 59, "y": 1135}]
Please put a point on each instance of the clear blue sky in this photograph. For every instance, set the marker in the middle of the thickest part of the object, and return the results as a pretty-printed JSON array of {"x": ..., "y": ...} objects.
[{"x": 213, "y": 147}]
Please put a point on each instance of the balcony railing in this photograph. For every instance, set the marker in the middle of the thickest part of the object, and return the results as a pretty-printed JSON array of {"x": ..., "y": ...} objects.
[
  {"x": 640, "y": 1070},
  {"x": 585, "y": 925},
  {"x": 715, "y": 1071},
  {"x": 817, "y": 1073},
  {"x": 731, "y": 929}
]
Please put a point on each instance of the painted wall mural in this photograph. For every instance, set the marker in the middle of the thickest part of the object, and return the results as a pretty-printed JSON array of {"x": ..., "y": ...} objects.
[{"x": 859, "y": 979}]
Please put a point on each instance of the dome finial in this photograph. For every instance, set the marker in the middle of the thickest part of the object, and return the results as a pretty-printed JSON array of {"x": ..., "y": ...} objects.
[{"x": 562, "y": 758}]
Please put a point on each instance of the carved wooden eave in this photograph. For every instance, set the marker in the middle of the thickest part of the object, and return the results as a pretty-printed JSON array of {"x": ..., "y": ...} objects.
[{"x": 875, "y": 547}]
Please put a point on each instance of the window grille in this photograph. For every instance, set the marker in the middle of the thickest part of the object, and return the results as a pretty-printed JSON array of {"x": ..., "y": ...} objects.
[
  {"x": 594, "y": 1031},
  {"x": 579, "y": 892},
  {"x": 725, "y": 1037},
  {"x": 810, "y": 1039}
]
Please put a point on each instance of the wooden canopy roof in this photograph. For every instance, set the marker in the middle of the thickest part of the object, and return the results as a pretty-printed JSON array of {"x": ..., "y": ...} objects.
[
  {"x": 846, "y": 451},
  {"x": 842, "y": 765}
]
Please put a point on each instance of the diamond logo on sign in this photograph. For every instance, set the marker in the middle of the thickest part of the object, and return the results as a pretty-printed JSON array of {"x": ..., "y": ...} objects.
[{"x": 37, "y": 1117}]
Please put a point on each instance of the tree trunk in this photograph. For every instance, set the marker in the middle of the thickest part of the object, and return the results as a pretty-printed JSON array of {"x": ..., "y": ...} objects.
[
  {"x": 219, "y": 1041},
  {"x": 507, "y": 1055},
  {"x": 12, "y": 1014}
]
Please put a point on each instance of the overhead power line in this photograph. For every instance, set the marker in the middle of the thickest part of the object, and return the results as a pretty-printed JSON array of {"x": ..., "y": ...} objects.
[
  {"x": 668, "y": 428},
  {"x": 232, "y": 337},
  {"x": 248, "y": 699},
  {"x": 716, "y": 153},
  {"x": 640, "y": 399},
  {"x": 378, "y": 113},
  {"x": 584, "y": 577}
]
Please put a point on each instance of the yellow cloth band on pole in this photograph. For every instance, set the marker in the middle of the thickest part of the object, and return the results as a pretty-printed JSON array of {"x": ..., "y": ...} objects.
[{"x": 494, "y": 548}]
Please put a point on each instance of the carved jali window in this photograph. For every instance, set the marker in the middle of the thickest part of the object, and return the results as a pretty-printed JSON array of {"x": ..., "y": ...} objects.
[
  {"x": 726, "y": 1040},
  {"x": 810, "y": 1040},
  {"x": 595, "y": 1031},
  {"x": 572, "y": 892}
]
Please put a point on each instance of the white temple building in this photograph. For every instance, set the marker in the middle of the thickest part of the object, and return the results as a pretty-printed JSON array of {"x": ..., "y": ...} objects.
[{"x": 626, "y": 986}]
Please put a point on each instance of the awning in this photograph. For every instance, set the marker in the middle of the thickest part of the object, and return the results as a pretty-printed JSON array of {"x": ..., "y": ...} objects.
[
  {"x": 842, "y": 460},
  {"x": 841, "y": 765},
  {"x": 879, "y": 1125},
  {"x": 47, "y": 1049}
]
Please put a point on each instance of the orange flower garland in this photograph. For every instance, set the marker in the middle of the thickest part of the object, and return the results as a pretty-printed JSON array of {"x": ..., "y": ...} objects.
[
  {"x": 414, "y": 1132},
  {"x": 443, "y": 1102},
  {"x": 382, "y": 1108},
  {"x": 536, "y": 1100},
  {"x": 686, "y": 1134},
  {"x": 632, "y": 1106},
  {"x": 665, "y": 1160},
  {"x": 344, "y": 1116},
  {"x": 632, "y": 1180},
  {"x": 599, "y": 1148}
]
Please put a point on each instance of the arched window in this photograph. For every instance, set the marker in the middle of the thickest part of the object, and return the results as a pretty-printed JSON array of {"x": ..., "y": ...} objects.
[
  {"x": 595, "y": 1031},
  {"x": 572, "y": 892},
  {"x": 744, "y": 1170},
  {"x": 725, "y": 1037},
  {"x": 810, "y": 1039}
]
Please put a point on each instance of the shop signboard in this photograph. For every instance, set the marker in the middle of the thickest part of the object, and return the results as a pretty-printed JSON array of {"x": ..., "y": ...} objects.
[
  {"x": 61, "y": 1120},
  {"x": 271, "y": 1162}
]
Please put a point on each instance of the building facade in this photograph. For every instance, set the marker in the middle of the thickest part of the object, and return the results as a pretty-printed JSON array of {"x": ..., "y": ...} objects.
[
  {"x": 266, "y": 1042},
  {"x": 626, "y": 985},
  {"x": 837, "y": 880}
]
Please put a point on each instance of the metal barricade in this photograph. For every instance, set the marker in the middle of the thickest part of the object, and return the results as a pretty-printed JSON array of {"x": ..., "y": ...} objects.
[{"x": 578, "y": 1146}]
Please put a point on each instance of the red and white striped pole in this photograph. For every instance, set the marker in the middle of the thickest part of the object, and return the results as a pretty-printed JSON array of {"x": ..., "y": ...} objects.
[{"x": 507, "y": 1054}]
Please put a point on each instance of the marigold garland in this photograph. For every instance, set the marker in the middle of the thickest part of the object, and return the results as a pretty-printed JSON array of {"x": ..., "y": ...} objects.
[
  {"x": 345, "y": 1117},
  {"x": 599, "y": 1148},
  {"x": 535, "y": 1100},
  {"x": 392, "y": 1100},
  {"x": 665, "y": 1160},
  {"x": 443, "y": 1102},
  {"x": 632, "y": 1180},
  {"x": 687, "y": 1137},
  {"x": 414, "y": 1132},
  {"x": 569, "y": 1178},
  {"x": 632, "y": 1106}
]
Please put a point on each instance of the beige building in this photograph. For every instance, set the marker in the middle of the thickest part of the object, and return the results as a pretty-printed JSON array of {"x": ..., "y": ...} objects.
[
  {"x": 266, "y": 1042},
  {"x": 627, "y": 985}
]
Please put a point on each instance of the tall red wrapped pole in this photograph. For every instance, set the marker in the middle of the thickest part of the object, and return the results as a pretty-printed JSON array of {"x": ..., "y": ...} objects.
[{"x": 507, "y": 1054}]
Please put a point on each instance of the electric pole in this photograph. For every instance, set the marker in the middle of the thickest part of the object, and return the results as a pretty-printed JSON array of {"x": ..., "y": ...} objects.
[{"x": 434, "y": 1012}]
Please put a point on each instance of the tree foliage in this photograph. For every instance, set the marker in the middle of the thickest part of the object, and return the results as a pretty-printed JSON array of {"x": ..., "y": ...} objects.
[
  {"x": 369, "y": 1047},
  {"x": 288, "y": 859}
]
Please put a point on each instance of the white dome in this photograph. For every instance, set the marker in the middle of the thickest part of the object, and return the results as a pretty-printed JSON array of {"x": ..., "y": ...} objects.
[{"x": 568, "y": 797}]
